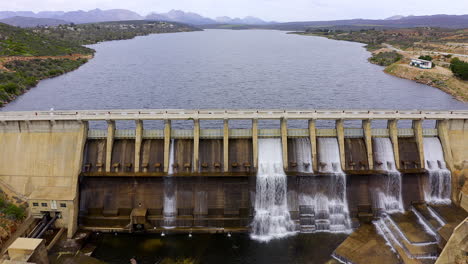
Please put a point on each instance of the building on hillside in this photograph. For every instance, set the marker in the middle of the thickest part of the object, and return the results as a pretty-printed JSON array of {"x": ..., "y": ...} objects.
[{"x": 423, "y": 64}]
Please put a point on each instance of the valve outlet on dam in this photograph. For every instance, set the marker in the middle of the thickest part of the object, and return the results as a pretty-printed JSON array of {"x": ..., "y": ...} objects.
[{"x": 306, "y": 171}]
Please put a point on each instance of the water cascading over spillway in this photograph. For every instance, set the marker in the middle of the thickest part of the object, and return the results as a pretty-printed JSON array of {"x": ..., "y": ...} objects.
[
  {"x": 329, "y": 155},
  {"x": 170, "y": 202},
  {"x": 302, "y": 154},
  {"x": 438, "y": 188},
  {"x": 387, "y": 197},
  {"x": 328, "y": 203},
  {"x": 272, "y": 218}
]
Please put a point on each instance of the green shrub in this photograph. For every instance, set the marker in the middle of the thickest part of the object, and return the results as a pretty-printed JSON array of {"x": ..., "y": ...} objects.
[
  {"x": 2, "y": 202},
  {"x": 459, "y": 68},
  {"x": 14, "y": 212},
  {"x": 26, "y": 74},
  {"x": 385, "y": 58},
  {"x": 425, "y": 57},
  {"x": 10, "y": 87}
]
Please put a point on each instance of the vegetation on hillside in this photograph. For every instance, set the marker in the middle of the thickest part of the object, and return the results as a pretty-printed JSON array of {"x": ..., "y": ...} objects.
[
  {"x": 425, "y": 57},
  {"x": 16, "y": 41},
  {"x": 459, "y": 68},
  {"x": 23, "y": 75},
  {"x": 385, "y": 58},
  {"x": 97, "y": 32},
  {"x": 10, "y": 210},
  {"x": 23, "y": 71},
  {"x": 12, "y": 213},
  {"x": 402, "y": 38}
]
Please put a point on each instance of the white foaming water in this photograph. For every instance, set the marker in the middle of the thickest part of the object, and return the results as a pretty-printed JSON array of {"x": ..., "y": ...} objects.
[
  {"x": 329, "y": 155},
  {"x": 330, "y": 213},
  {"x": 438, "y": 189},
  {"x": 171, "y": 158},
  {"x": 170, "y": 201},
  {"x": 303, "y": 154},
  {"x": 272, "y": 219},
  {"x": 329, "y": 205},
  {"x": 387, "y": 196}
]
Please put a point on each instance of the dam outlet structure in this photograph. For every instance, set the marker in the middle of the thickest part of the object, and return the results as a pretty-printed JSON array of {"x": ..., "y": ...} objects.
[{"x": 88, "y": 171}]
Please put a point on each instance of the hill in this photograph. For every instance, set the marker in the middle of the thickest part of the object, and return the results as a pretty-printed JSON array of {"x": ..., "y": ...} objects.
[
  {"x": 98, "y": 15},
  {"x": 92, "y": 16},
  {"x": 97, "y": 32},
  {"x": 181, "y": 17},
  {"x": 28, "y": 22},
  {"x": 196, "y": 19},
  {"x": 443, "y": 21},
  {"x": 15, "y": 41}
]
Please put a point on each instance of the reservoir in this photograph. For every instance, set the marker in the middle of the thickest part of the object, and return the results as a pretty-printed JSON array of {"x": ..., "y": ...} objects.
[{"x": 230, "y": 69}]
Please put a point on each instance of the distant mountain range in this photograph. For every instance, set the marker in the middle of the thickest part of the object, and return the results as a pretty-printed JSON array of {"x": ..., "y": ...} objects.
[
  {"x": 31, "y": 19},
  {"x": 98, "y": 15},
  {"x": 443, "y": 21},
  {"x": 78, "y": 17},
  {"x": 20, "y": 21}
]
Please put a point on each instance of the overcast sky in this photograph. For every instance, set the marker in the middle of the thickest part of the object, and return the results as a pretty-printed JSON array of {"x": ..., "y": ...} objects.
[{"x": 278, "y": 10}]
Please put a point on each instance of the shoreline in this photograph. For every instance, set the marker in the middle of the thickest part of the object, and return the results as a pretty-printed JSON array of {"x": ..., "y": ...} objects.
[
  {"x": 439, "y": 77},
  {"x": 6, "y": 98}
]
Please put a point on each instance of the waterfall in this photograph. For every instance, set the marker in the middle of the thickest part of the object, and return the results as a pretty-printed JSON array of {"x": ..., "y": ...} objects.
[
  {"x": 170, "y": 201},
  {"x": 329, "y": 155},
  {"x": 328, "y": 202},
  {"x": 272, "y": 219},
  {"x": 438, "y": 188},
  {"x": 302, "y": 153},
  {"x": 387, "y": 196}
]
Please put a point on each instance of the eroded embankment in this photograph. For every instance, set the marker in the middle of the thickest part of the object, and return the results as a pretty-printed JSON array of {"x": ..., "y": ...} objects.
[{"x": 438, "y": 77}]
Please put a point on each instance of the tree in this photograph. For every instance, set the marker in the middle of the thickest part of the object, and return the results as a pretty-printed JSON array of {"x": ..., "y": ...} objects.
[{"x": 459, "y": 68}]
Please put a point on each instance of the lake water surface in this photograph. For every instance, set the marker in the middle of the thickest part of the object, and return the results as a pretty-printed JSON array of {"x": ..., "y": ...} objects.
[{"x": 231, "y": 69}]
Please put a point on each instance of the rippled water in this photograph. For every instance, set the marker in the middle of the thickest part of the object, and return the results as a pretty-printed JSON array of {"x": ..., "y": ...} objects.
[{"x": 231, "y": 69}]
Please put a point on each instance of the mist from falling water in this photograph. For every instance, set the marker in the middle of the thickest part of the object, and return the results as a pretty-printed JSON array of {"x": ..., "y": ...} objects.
[
  {"x": 170, "y": 201},
  {"x": 387, "y": 197},
  {"x": 438, "y": 188},
  {"x": 272, "y": 219},
  {"x": 329, "y": 203}
]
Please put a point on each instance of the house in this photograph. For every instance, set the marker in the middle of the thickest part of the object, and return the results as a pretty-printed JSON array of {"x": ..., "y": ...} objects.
[{"x": 423, "y": 64}]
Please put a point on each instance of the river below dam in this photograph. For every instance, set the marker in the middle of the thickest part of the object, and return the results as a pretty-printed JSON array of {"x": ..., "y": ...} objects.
[
  {"x": 230, "y": 69},
  {"x": 214, "y": 249}
]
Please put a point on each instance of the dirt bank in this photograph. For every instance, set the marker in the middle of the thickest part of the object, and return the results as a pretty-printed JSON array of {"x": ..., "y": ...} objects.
[{"x": 438, "y": 77}]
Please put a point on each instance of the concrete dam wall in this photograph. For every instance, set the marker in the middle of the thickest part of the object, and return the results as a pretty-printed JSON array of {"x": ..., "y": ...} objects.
[{"x": 143, "y": 178}]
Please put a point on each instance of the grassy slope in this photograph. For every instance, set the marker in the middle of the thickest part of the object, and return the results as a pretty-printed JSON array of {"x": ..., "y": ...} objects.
[
  {"x": 97, "y": 32},
  {"x": 26, "y": 74},
  {"x": 19, "y": 76},
  {"x": 22, "y": 42}
]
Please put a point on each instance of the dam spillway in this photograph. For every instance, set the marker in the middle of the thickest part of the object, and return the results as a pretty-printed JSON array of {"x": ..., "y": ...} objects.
[
  {"x": 387, "y": 196},
  {"x": 206, "y": 179},
  {"x": 439, "y": 182},
  {"x": 271, "y": 215}
]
